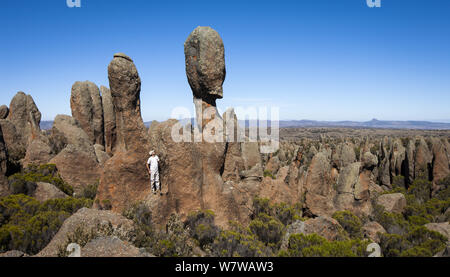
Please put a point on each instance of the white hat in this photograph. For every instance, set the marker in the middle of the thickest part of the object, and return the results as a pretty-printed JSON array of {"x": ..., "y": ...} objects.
[{"x": 152, "y": 152}]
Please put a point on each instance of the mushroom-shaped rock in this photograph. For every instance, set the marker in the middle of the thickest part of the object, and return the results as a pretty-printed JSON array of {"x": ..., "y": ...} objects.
[{"x": 205, "y": 68}]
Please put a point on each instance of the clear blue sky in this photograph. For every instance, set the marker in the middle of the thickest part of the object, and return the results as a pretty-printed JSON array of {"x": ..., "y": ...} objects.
[{"x": 315, "y": 59}]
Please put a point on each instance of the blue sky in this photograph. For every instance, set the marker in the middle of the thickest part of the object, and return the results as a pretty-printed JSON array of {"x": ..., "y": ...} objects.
[{"x": 314, "y": 59}]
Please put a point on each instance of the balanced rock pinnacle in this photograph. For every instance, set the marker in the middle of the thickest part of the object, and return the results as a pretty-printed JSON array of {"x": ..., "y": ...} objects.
[
  {"x": 125, "y": 86},
  {"x": 205, "y": 69},
  {"x": 86, "y": 105}
]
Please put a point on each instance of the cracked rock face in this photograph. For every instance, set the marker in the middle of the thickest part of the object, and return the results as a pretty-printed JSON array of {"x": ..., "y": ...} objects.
[
  {"x": 125, "y": 88},
  {"x": 86, "y": 106}
]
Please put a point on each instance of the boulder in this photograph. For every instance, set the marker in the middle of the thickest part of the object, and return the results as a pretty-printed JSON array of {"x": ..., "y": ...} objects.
[
  {"x": 393, "y": 202},
  {"x": 15, "y": 145},
  {"x": 4, "y": 111},
  {"x": 77, "y": 167},
  {"x": 71, "y": 132},
  {"x": 125, "y": 86},
  {"x": 13, "y": 254},
  {"x": 371, "y": 230},
  {"x": 369, "y": 160},
  {"x": 90, "y": 222},
  {"x": 324, "y": 226},
  {"x": 46, "y": 191},
  {"x": 442, "y": 228},
  {"x": 86, "y": 106},
  {"x": 109, "y": 118},
  {"x": 38, "y": 152},
  {"x": 205, "y": 69},
  {"x": 111, "y": 247},
  {"x": 101, "y": 155}
]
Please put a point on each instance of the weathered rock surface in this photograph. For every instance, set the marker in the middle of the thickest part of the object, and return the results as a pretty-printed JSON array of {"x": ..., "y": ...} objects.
[
  {"x": 442, "y": 228},
  {"x": 46, "y": 191},
  {"x": 38, "y": 152},
  {"x": 111, "y": 247},
  {"x": 440, "y": 160},
  {"x": 78, "y": 168},
  {"x": 4, "y": 111},
  {"x": 319, "y": 190},
  {"x": 72, "y": 133},
  {"x": 393, "y": 202},
  {"x": 422, "y": 160},
  {"x": 371, "y": 230},
  {"x": 205, "y": 70},
  {"x": 109, "y": 118},
  {"x": 124, "y": 180},
  {"x": 125, "y": 86},
  {"x": 3, "y": 154},
  {"x": 13, "y": 254},
  {"x": 90, "y": 222},
  {"x": 343, "y": 155},
  {"x": 87, "y": 109},
  {"x": 15, "y": 145},
  {"x": 101, "y": 155},
  {"x": 25, "y": 115},
  {"x": 369, "y": 160},
  {"x": 324, "y": 226}
]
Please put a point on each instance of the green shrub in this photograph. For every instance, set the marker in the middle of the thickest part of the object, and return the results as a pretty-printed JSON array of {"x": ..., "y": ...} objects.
[
  {"x": 285, "y": 213},
  {"x": 90, "y": 191},
  {"x": 351, "y": 223},
  {"x": 19, "y": 182},
  {"x": 419, "y": 242},
  {"x": 313, "y": 245},
  {"x": 391, "y": 222},
  {"x": 201, "y": 227},
  {"x": 421, "y": 190},
  {"x": 68, "y": 204},
  {"x": 28, "y": 225},
  {"x": 267, "y": 229},
  {"x": 268, "y": 173},
  {"x": 239, "y": 243}
]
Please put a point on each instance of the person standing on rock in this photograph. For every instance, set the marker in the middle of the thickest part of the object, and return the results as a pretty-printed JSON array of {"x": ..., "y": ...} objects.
[{"x": 152, "y": 167}]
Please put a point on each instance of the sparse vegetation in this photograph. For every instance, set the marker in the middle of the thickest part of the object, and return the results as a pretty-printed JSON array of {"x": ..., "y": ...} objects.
[{"x": 28, "y": 225}]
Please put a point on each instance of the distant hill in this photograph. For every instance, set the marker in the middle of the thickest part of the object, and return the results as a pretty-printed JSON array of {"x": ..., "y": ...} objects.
[{"x": 374, "y": 123}]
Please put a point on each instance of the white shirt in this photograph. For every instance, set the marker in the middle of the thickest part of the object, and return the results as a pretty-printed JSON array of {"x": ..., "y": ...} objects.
[{"x": 153, "y": 162}]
